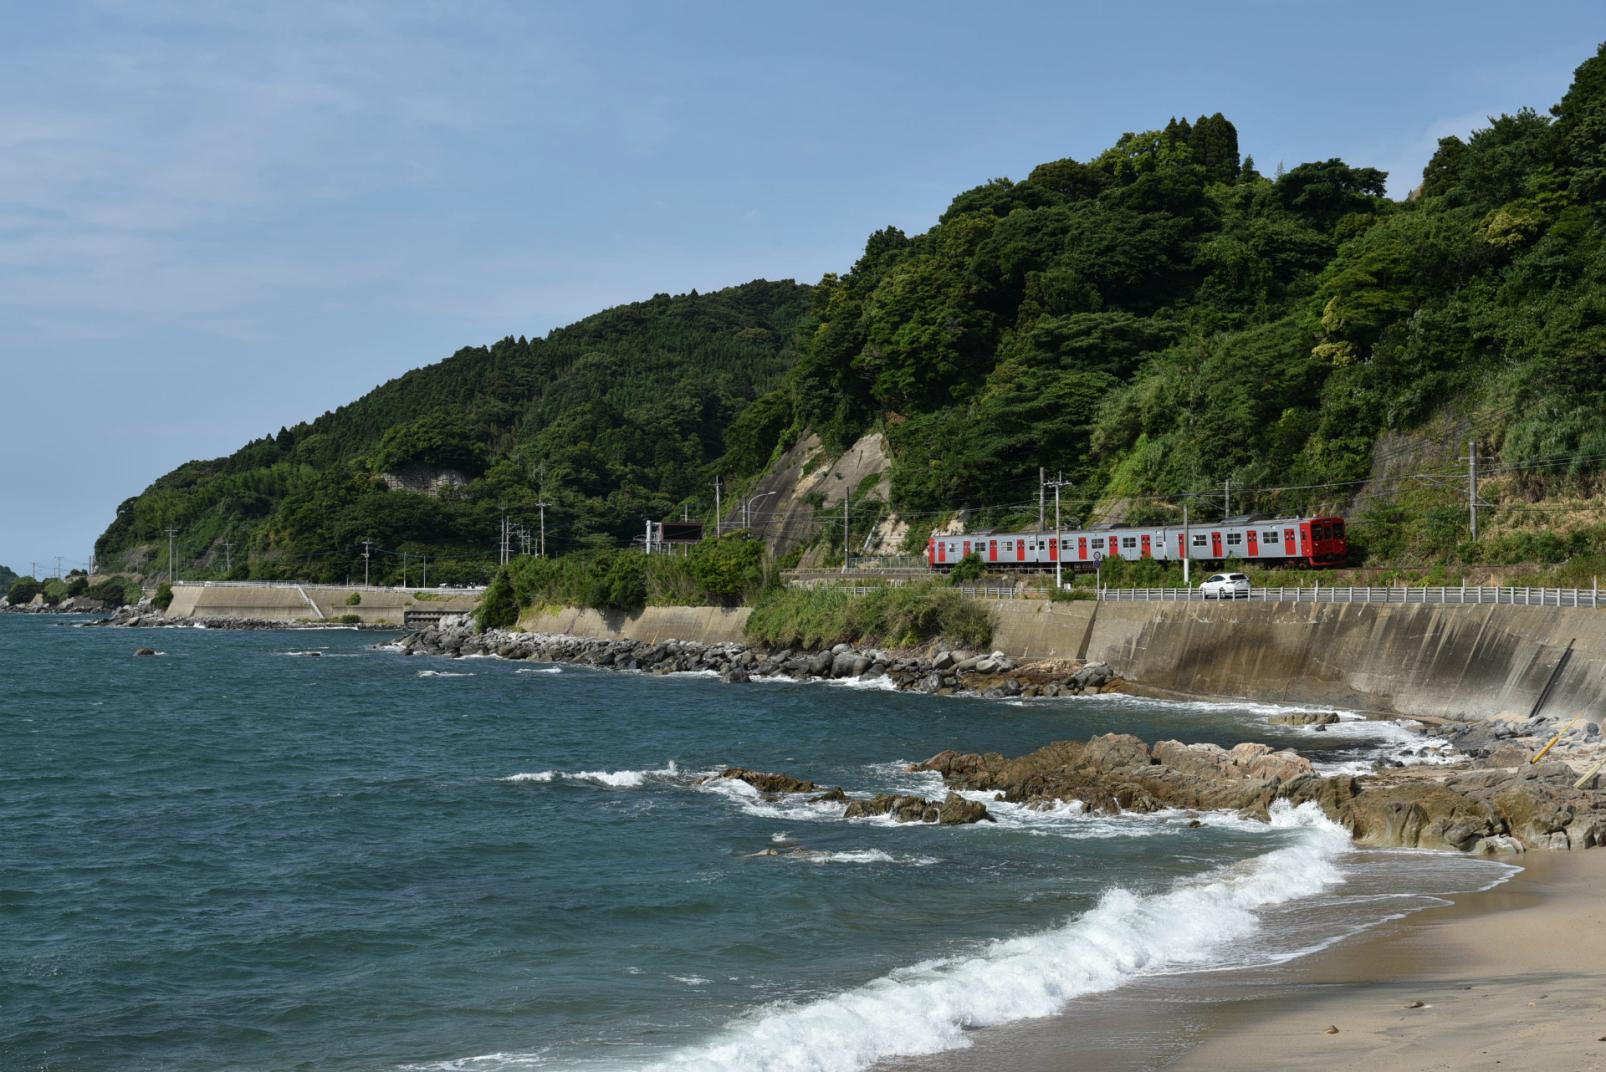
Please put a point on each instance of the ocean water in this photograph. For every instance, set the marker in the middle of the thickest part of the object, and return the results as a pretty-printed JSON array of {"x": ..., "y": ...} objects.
[{"x": 239, "y": 855}]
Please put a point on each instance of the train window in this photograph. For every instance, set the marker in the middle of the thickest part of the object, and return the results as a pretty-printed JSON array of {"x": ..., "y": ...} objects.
[
  {"x": 1269, "y": 537},
  {"x": 1199, "y": 539},
  {"x": 1129, "y": 541},
  {"x": 1318, "y": 532},
  {"x": 1234, "y": 539}
]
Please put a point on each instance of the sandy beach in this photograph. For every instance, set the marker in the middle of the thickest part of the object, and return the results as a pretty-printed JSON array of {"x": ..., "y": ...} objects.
[{"x": 1513, "y": 978}]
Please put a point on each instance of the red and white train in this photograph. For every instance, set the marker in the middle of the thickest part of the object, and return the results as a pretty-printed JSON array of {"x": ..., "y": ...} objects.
[{"x": 1304, "y": 541}]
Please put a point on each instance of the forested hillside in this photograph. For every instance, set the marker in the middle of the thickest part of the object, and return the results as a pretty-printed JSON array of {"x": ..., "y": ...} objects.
[
  {"x": 1164, "y": 318},
  {"x": 1154, "y": 323},
  {"x": 611, "y": 420}
]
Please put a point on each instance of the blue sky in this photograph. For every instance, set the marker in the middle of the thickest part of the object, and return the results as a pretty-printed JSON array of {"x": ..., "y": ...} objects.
[{"x": 217, "y": 219}]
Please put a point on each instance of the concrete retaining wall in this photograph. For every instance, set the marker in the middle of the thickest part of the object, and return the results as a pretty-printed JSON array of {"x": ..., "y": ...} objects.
[
  {"x": 707, "y": 625},
  {"x": 1432, "y": 661},
  {"x": 307, "y": 603},
  {"x": 1422, "y": 661}
]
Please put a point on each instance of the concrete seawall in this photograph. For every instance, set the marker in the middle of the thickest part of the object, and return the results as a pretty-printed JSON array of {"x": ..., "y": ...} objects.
[
  {"x": 1422, "y": 661},
  {"x": 309, "y": 603},
  {"x": 1433, "y": 661},
  {"x": 707, "y": 625}
]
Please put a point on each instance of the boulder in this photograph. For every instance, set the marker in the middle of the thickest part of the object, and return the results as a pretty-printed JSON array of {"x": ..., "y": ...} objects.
[
  {"x": 907, "y": 808},
  {"x": 768, "y": 781},
  {"x": 1304, "y": 718}
]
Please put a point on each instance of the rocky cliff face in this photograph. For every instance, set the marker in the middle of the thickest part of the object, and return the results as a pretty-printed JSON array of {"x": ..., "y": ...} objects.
[{"x": 1467, "y": 810}]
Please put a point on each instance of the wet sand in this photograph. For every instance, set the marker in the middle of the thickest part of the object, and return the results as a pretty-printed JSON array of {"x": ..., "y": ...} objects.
[
  {"x": 1513, "y": 978},
  {"x": 1510, "y": 978}
]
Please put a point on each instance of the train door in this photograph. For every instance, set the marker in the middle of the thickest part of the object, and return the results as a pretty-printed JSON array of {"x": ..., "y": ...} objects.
[
  {"x": 1020, "y": 550},
  {"x": 1054, "y": 548},
  {"x": 1182, "y": 546},
  {"x": 1148, "y": 550},
  {"x": 1305, "y": 551},
  {"x": 1288, "y": 543},
  {"x": 1254, "y": 543},
  {"x": 1215, "y": 545},
  {"x": 1081, "y": 548},
  {"x": 942, "y": 550},
  {"x": 1115, "y": 547},
  {"x": 992, "y": 550}
]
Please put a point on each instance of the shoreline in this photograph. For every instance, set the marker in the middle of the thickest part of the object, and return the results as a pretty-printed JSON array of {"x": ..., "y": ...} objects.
[{"x": 1513, "y": 977}]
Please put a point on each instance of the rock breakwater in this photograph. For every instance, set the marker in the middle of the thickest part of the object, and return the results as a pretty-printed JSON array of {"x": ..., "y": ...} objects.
[{"x": 941, "y": 672}]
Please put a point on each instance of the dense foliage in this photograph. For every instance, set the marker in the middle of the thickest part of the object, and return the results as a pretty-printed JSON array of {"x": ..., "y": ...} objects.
[
  {"x": 1163, "y": 318},
  {"x": 7, "y": 577},
  {"x": 615, "y": 419},
  {"x": 725, "y": 571}
]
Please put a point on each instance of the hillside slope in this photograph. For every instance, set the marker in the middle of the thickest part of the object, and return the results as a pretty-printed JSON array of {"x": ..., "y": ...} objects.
[
  {"x": 1163, "y": 319},
  {"x": 611, "y": 420}
]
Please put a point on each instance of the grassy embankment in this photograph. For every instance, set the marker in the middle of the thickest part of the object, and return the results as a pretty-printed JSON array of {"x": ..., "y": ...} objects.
[{"x": 902, "y": 617}]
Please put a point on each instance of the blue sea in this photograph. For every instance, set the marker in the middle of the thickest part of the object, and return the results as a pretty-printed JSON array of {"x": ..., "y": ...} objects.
[{"x": 298, "y": 850}]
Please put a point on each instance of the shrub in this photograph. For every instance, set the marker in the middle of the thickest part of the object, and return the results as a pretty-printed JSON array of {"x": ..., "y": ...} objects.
[
  {"x": 112, "y": 592},
  {"x": 499, "y": 607},
  {"x": 967, "y": 569},
  {"x": 350, "y": 619},
  {"x": 354, "y": 600},
  {"x": 164, "y": 596},
  {"x": 22, "y": 590}
]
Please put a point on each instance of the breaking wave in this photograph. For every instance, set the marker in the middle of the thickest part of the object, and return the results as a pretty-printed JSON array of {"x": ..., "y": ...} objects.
[{"x": 928, "y": 1007}]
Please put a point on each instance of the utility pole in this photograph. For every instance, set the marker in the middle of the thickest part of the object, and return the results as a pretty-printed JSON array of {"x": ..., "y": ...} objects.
[
  {"x": 367, "y": 552},
  {"x": 228, "y": 558},
  {"x": 1226, "y": 499},
  {"x": 716, "y": 506},
  {"x": 1187, "y": 547},
  {"x": 424, "y": 562},
  {"x": 1472, "y": 485},
  {"x": 649, "y": 536},
  {"x": 1041, "y": 478},
  {"x": 170, "y": 534},
  {"x": 543, "y": 506},
  {"x": 58, "y": 567},
  {"x": 845, "y": 549},
  {"x": 1059, "y": 551},
  {"x": 404, "y": 569}
]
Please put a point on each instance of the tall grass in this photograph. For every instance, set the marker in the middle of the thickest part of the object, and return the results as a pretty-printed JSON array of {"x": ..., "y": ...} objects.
[{"x": 903, "y": 617}]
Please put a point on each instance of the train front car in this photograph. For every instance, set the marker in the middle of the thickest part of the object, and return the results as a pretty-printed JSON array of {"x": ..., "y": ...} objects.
[{"x": 1324, "y": 541}]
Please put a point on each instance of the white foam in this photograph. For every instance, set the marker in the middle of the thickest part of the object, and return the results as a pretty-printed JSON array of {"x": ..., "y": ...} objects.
[
  {"x": 788, "y": 807},
  {"x": 929, "y": 1007},
  {"x": 442, "y": 673},
  {"x": 867, "y": 856},
  {"x": 690, "y": 980},
  {"x": 540, "y": 670},
  {"x": 620, "y": 779}
]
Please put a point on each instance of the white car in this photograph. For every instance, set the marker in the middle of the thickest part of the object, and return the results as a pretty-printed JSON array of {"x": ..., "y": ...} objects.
[{"x": 1225, "y": 586}]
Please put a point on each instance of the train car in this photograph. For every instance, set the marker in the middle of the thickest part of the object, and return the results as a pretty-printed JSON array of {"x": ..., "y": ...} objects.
[{"x": 1302, "y": 541}]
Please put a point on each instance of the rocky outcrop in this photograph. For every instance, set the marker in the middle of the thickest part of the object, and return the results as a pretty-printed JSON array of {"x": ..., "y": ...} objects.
[
  {"x": 940, "y": 672},
  {"x": 1304, "y": 718},
  {"x": 1534, "y": 806},
  {"x": 953, "y": 810},
  {"x": 770, "y": 782}
]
